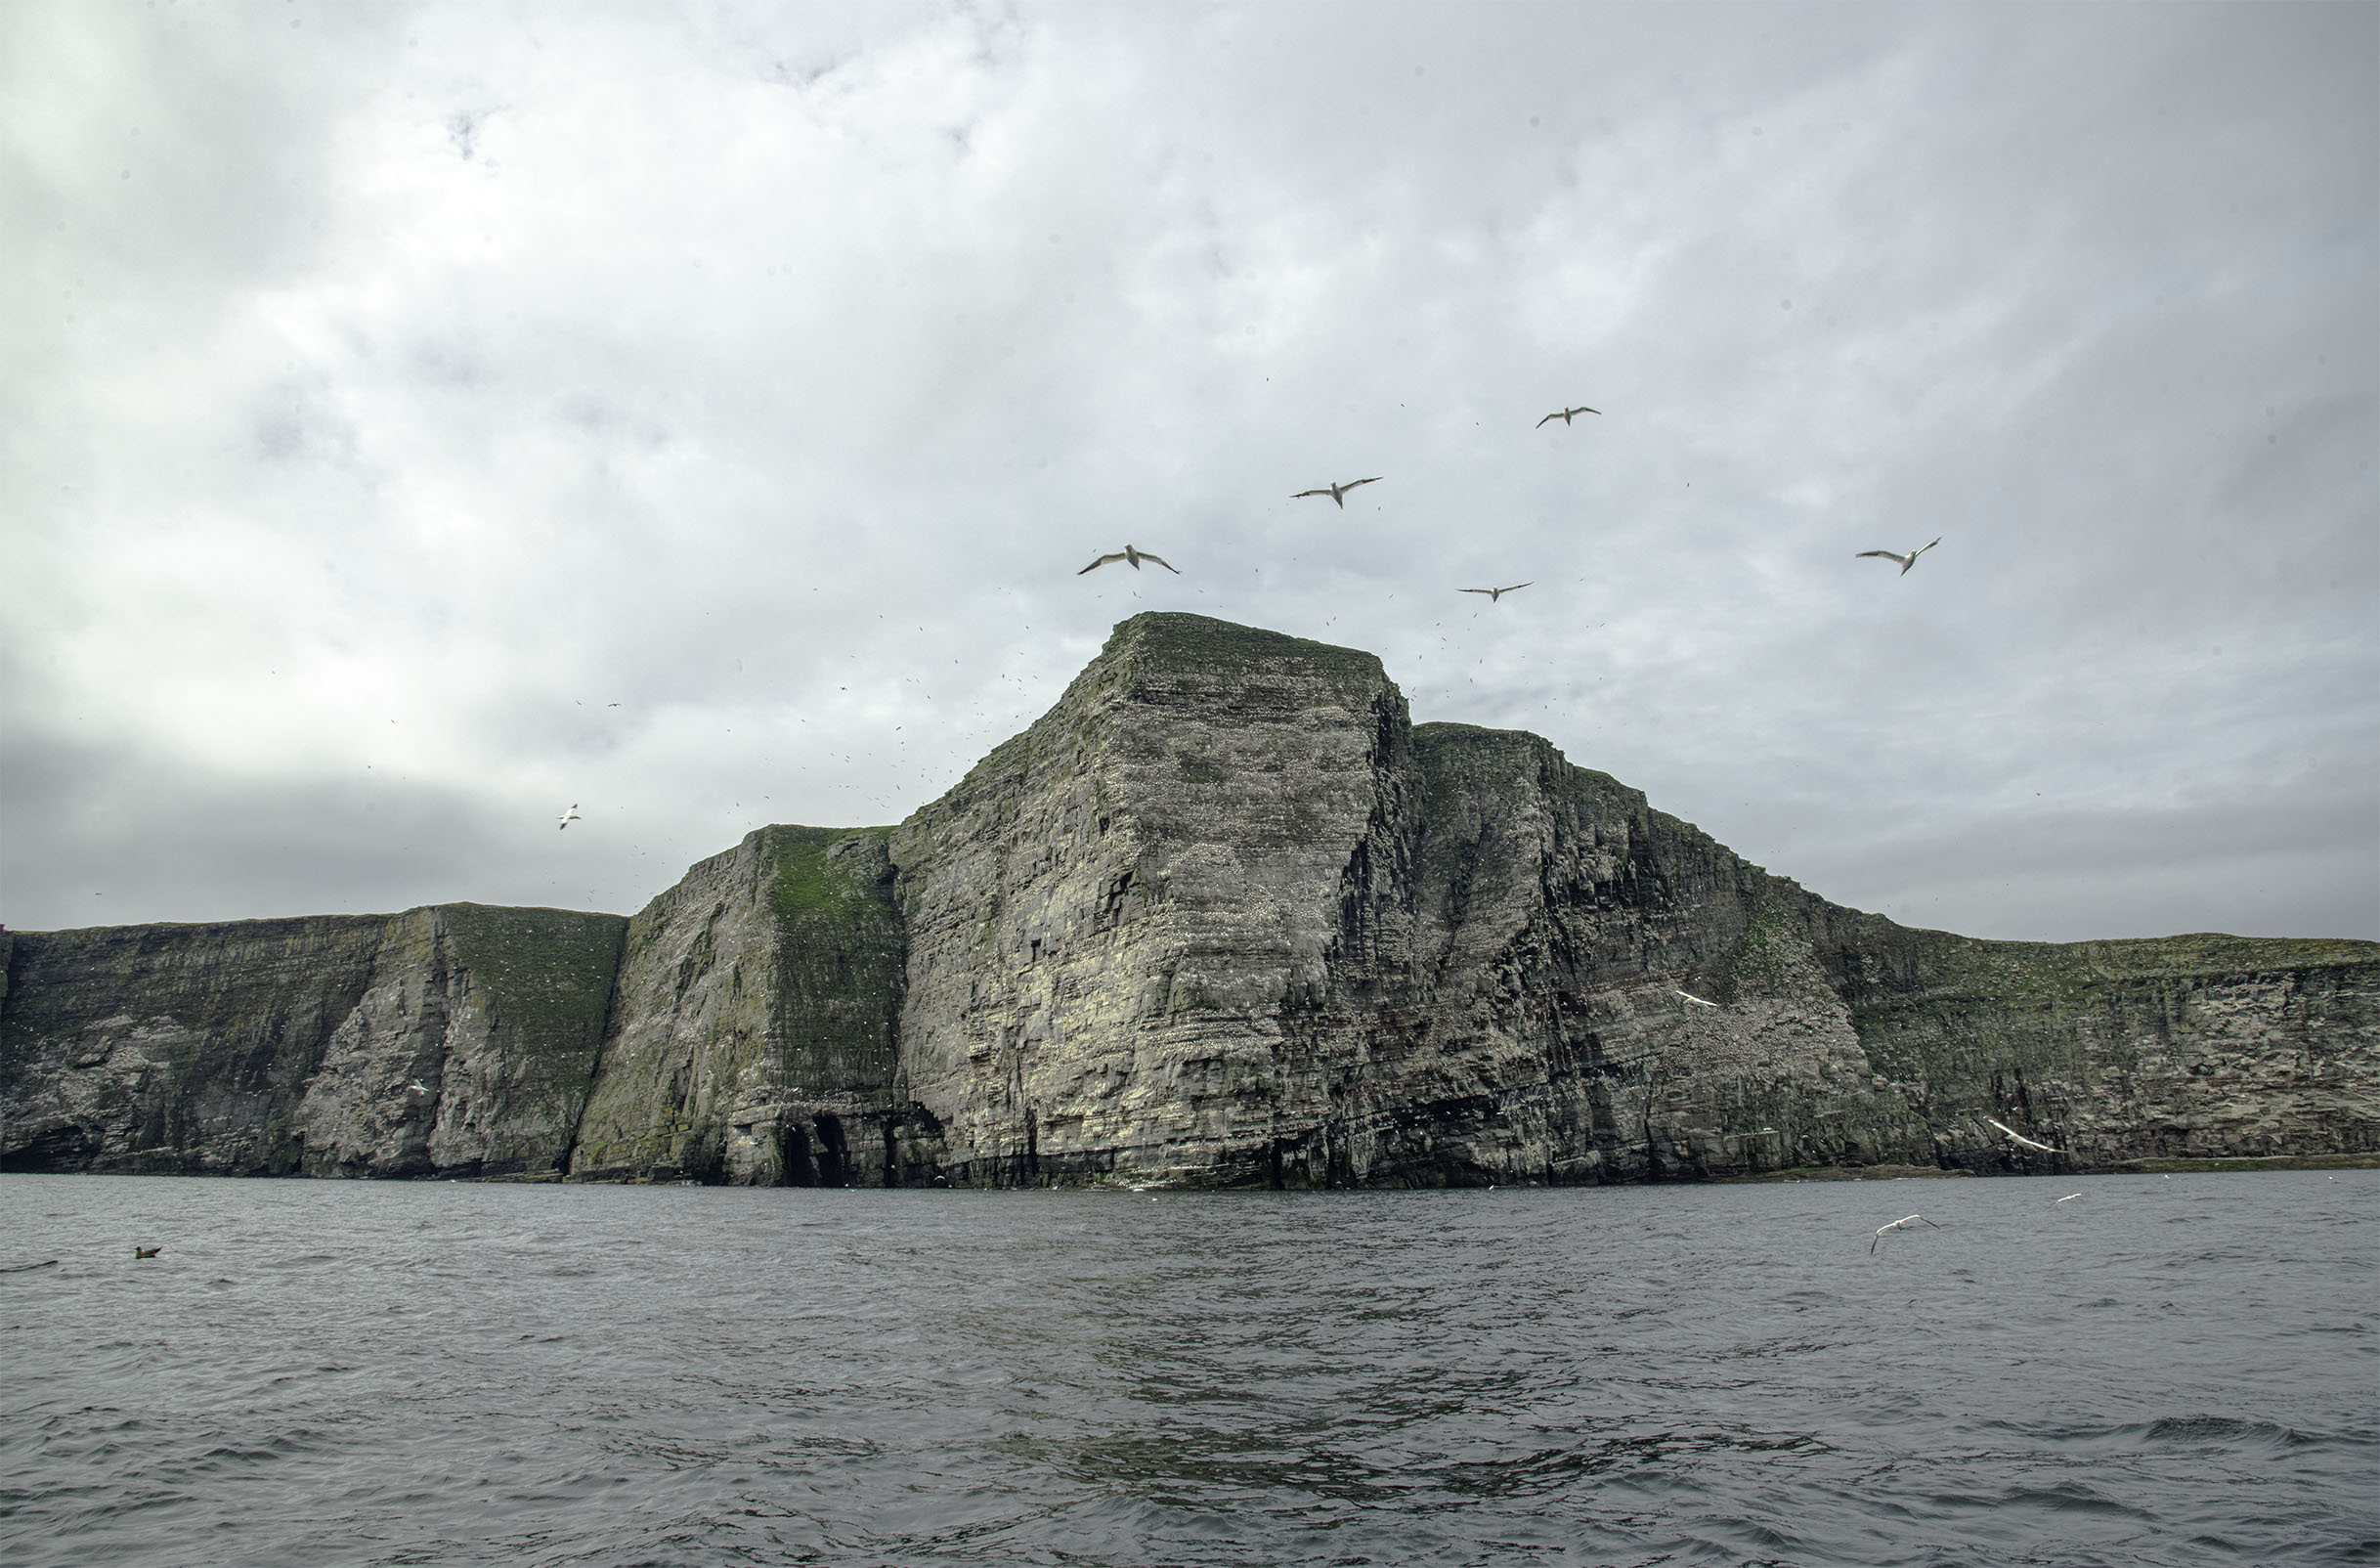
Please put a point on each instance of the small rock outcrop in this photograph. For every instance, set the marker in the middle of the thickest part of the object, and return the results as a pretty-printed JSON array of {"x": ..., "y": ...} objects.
[{"x": 1224, "y": 916}]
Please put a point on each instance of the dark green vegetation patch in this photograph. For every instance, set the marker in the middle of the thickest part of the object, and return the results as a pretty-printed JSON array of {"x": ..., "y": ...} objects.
[{"x": 840, "y": 955}]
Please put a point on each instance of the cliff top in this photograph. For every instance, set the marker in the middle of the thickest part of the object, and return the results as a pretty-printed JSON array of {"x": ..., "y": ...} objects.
[{"x": 1172, "y": 642}]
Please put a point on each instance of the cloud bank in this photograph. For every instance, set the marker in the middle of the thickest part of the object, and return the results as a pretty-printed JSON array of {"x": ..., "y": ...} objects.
[{"x": 421, "y": 419}]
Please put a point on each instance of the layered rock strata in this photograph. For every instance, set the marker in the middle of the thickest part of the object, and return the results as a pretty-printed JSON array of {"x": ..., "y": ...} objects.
[
  {"x": 1224, "y": 916},
  {"x": 453, "y": 1040},
  {"x": 752, "y": 1036}
]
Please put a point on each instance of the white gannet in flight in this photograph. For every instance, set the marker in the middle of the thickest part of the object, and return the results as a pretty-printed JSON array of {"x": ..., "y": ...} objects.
[
  {"x": 1907, "y": 561},
  {"x": 569, "y": 816},
  {"x": 1696, "y": 1000},
  {"x": 1494, "y": 595},
  {"x": 1566, "y": 416},
  {"x": 1132, "y": 558},
  {"x": 2069, "y": 1197},
  {"x": 1338, "y": 491},
  {"x": 1905, "y": 1220},
  {"x": 2021, "y": 1138}
]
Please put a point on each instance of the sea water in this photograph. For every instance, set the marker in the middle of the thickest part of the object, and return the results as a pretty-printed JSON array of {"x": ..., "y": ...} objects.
[{"x": 2182, "y": 1370}]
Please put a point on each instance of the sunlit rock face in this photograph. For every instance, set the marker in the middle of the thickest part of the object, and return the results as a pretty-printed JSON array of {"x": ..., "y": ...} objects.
[
  {"x": 1113, "y": 920},
  {"x": 1221, "y": 916},
  {"x": 1224, "y": 916}
]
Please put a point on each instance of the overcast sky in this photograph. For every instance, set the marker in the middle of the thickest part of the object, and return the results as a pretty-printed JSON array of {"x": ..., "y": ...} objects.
[{"x": 420, "y": 418}]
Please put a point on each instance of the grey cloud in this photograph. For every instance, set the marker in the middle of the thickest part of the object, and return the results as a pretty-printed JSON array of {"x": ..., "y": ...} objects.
[{"x": 723, "y": 380}]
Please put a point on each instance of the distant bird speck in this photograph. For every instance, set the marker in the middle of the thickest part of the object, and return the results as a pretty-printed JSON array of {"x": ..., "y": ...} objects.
[
  {"x": 1338, "y": 491},
  {"x": 569, "y": 816},
  {"x": 2069, "y": 1197},
  {"x": 1696, "y": 1000},
  {"x": 1565, "y": 416},
  {"x": 147, "y": 1251},
  {"x": 1132, "y": 558},
  {"x": 1494, "y": 595},
  {"x": 1907, "y": 561}
]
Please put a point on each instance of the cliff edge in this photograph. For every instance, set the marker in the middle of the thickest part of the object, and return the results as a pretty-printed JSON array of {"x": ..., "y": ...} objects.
[{"x": 1223, "y": 916}]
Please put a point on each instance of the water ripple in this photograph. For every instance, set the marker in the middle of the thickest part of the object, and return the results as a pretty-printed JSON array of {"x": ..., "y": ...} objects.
[{"x": 332, "y": 1373}]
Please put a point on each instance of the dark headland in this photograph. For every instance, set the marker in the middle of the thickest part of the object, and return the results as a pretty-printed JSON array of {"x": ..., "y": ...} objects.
[{"x": 1222, "y": 917}]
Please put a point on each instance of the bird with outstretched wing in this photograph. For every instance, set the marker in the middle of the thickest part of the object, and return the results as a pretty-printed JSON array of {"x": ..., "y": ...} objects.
[
  {"x": 1132, "y": 558},
  {"x": 1337, "y": 492},
  {"x": 1907, "y": 561}
]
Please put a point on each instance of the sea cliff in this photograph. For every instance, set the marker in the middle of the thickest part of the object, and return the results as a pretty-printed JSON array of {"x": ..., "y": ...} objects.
[{"x": 1224, "y": 916}]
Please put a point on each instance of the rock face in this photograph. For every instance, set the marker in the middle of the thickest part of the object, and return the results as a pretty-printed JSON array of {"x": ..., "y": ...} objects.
[
  {"x": 1223, "y": 916},
  {"x": 2181, "y": 1048},
  {"x": 453, "y": 1040},
  {"x": 751, "y": 1039}
]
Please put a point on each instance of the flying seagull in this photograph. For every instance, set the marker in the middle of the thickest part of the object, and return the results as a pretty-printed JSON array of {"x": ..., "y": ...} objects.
[
  {"x": 147, "y": 1251},
  {"x": 1696, "y": 1000},
  {"x": 1132, "y": 558},
  {"x": 2069, "y": 1197},
  {"x": 1494, "y": 595},
  {"x": 1565, "y": 416},
  {"x": 1338, "y": 491},
  {"x": 2021, "y": 1138},
  {"x": 1912, "y": 1219},
  {"x": 1907, "y": 561},
  {"x": 569, "y": 816}
]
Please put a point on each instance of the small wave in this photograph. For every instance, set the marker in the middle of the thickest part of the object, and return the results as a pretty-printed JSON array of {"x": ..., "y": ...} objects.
[
  {"x": 2187, "y": 1432},
  {"x": 2199, "y": 1431},
  {"x": 27, "y": 1267},
  {"x": 2068, "y": 1497}
]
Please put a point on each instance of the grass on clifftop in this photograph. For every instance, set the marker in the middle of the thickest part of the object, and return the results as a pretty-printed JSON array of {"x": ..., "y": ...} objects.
[
  {"x": 1173, "y": 640},
  {"x": 548, "y": 972},
  {"x": 805, "y": 885},
  {"x": 2056, "y": 971}
]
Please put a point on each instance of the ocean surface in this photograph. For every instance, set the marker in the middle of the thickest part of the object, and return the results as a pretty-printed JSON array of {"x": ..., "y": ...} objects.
[{"x": 2170, "y": 1371}]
